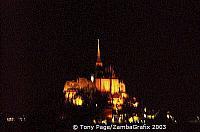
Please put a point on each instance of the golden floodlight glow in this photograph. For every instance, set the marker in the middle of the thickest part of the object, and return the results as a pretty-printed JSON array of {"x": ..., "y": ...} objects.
[
  {"x": 120, "y": 120},
  {"x": 117, "y": 103},
  {"x": 135, "y": 104},
  {"x": 110, "y": 85},
  {"x": 135, "y": 118},
  {"x": 113, "y": 120},
  {"x": 104, "y": 122},
  {"x": 145, "y": 109},
  {"x": 149, "y": 116},
  {"x": 124, "y": 95},
  {"x": 94, "y": 121},
  {"x": 109, "y": 116},
  {"x": 69, "y": 95},
  {"x": 130, "y": 120},
  {"x": 78, "y": 101}
]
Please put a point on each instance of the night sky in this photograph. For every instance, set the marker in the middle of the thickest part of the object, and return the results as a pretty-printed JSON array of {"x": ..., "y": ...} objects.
[{"x": 153, "y": 46}]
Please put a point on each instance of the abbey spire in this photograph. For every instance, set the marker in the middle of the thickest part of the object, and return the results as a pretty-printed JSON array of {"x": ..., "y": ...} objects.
[{"x": 98, "y": 63}]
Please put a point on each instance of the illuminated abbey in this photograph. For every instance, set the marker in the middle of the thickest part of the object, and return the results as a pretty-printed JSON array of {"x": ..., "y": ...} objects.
[
  {"x": 104, "y": 80},
  {"x": 117, "y": 107}
]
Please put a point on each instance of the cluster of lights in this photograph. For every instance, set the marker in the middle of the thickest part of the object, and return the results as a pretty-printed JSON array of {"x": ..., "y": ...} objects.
[
  {"x": 117, "y": 103},
  {"x": 121, "y": 118},
  {"x": 22, "y": 119},
  {"x": 170, "y": 117},
  {"x": 198, "y": 118},
  {"x": 12, "y": 119},
  {"x": 78, "y": 101},
  {"x": 135, "y": 104},
  {"x": 134, "y": 119},
  {"x": 151, "y": 116},
  {"x": 102, "y": 122}
]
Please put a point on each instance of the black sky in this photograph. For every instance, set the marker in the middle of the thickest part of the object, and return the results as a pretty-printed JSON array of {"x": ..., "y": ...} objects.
[{"x": 153, "y": 45}]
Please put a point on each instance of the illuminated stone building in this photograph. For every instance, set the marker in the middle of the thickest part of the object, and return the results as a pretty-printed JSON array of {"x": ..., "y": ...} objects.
[
  {"x": 106, "y": 79},
  {"x": 71, "y": 88}
]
